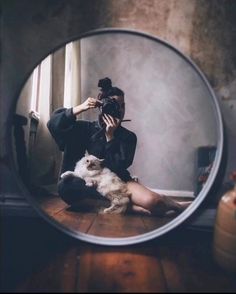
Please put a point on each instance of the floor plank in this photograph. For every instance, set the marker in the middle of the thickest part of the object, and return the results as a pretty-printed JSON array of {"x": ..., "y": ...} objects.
[
  {"x": 51, "y": 204},
  {"x": 118, "y": 270},
  {"x": 173, "y": 274},
  {"x": 116, "y": 225},
  {"x": 155, "y": 222},
  {"x": 59, "y": 275},
  {"x": 188, "y": 265},
  {"x": 77, "y": 221},
  {"x": 35, "y": 257},
  {"x": 84, "y": 218}
]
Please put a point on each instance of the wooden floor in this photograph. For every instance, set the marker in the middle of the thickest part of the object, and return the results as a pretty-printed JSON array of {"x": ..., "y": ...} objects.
[
  {"x": 35, "y": 257},
  {"x": 86, "y": 219}
]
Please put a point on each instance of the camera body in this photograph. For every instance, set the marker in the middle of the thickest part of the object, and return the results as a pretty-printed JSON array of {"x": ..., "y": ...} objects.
[{"x": 110, "y": 106}]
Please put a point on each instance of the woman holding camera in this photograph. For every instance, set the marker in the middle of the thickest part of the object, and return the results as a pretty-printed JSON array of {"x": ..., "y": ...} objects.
[{"x": 106, "y": 139}]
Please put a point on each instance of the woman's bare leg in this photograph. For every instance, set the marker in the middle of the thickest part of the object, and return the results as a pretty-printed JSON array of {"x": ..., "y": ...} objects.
[{"x": 148, "y": 202}]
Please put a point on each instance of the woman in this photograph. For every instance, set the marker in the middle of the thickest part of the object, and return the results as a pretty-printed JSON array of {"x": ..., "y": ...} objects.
[{"x": 107, "y": 139}]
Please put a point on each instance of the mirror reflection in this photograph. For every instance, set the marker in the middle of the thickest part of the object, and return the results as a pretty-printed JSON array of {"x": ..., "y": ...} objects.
[{"x": 114, "y": 134}]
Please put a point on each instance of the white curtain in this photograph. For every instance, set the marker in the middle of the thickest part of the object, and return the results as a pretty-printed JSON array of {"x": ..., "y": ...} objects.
[
  {"x": 41, "y": 145},
  {"x": 54, "y": 83},
  {"x": 72, "y": 73}
]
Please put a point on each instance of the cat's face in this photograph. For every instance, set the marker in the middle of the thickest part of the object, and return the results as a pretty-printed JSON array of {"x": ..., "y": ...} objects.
[{"x": 91, "y": 162}]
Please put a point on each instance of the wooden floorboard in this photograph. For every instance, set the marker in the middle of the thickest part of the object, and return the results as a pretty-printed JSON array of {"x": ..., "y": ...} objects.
[
  {"x": 175, "y": 281},
  {"x": 58, "y": 275},
  {"x": 51, "y": 204},
  {"x": 118, "y": 270},
  {"x": 85, "y": 219},
  {"x": 189, "y": 266},
  {"x": 194, "y": 270},
  {"x": 153, "y": 222},
  {"x": 77, "y": 221},
  {"x": 117, "y": 226},
  {"x": 35, "y": 257}
]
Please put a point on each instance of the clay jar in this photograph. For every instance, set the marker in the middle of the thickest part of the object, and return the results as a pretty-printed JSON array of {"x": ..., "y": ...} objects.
[{"x": 225, "y": 231}]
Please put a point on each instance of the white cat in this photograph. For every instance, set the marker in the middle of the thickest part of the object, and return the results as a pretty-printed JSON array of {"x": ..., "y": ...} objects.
[{"x": 104, "y": 180}]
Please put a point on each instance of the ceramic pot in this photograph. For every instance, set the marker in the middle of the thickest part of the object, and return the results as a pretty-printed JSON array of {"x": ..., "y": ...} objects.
[{"x": 225, "y": 231}]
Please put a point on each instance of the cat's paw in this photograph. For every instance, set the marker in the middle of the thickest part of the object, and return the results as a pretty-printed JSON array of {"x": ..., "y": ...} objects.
[
  {"x": 106, "y": 210},
  {"x": 100, "y": 210},
  {"x": 91, "y": 183},
  {"x": 66, "y": 174},
  {"x": 115, "y": 210}
]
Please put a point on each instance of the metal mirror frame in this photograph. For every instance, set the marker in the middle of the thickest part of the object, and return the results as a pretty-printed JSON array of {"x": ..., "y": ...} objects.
[{"x": 184, "y": 215}]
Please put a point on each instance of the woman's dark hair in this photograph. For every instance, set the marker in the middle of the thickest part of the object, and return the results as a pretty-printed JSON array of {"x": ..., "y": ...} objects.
[
  {"x": 105, "y": 84},
  {"x": 107, "y": 89}
]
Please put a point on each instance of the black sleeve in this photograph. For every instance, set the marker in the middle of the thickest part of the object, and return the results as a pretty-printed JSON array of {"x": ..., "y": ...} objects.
[
  {"x": 119, "y": 152},
  {"x": 60, "y": 125}
]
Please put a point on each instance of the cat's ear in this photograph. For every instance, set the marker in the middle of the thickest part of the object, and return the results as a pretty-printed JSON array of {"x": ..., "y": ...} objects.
[{"x": 86, "y": 153}]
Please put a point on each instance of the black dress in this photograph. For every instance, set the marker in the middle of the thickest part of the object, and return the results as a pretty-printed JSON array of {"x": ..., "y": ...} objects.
[{"x": 74, "y": 137}]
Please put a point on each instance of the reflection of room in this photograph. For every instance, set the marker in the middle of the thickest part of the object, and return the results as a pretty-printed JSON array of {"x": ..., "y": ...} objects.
[
  {"x": 168, "y": 157},
  {"x": 172, "y": 104},
  {"x": 55, "y": 83}
]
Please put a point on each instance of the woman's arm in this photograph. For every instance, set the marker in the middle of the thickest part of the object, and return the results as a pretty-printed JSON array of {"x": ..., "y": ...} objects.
[
  {"x": 87, "y": 104},
  {"x": 60, "y": 125},
  {"x": 62, "y": 121},
  {"x": 119, "y": 152}
]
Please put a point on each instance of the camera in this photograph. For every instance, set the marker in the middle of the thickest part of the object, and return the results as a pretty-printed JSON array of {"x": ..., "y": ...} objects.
[{"x": 110, "y": 106}]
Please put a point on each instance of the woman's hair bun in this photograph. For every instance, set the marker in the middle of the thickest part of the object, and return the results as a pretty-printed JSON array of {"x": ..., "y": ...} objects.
[{"x": 105, "y": 84}]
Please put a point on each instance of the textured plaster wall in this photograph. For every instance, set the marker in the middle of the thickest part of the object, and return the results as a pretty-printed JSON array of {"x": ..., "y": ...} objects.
[
  {"x": 170, "y": 107},
  {"x": 203, "y": 30}
]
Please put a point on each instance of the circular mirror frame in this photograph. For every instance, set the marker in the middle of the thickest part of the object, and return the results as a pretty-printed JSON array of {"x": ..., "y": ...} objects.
[{"x": 184, "y": 215}]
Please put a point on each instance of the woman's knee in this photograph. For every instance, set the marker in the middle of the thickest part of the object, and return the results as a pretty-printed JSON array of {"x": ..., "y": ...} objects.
[
  {"x": 73, "y": 189},
  {"x": 151, "y": 200},
  {"x": 69, "y": 189},
  {"x": 62, "y": 187}
]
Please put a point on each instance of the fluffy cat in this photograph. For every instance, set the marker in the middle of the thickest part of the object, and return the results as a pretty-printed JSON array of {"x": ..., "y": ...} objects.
[{"x": 90, "y": 168}]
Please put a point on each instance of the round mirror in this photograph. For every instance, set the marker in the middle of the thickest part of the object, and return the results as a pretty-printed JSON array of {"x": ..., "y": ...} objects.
[{"x": 167, "y": 145}]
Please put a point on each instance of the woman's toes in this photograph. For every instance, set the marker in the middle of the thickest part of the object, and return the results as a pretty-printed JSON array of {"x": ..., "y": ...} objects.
[{"x": 185, "y": 204}]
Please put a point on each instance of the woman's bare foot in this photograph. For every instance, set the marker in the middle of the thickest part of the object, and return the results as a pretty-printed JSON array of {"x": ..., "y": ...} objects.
[
  {"x": 167, "y": 206},
  {"x": 139, "y": 209}
]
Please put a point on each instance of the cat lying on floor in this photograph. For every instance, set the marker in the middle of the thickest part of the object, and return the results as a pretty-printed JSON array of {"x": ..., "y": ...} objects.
[{"x": 90, "y": 168}]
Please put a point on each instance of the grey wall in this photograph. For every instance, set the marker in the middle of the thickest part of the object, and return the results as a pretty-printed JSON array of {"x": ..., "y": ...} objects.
[
  {"x": 203, "y": 30},
  {"x": 170, "y": 107}
]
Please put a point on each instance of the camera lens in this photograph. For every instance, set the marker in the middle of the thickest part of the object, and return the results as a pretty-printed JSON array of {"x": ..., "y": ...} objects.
[{"x": 111, "y": 106}]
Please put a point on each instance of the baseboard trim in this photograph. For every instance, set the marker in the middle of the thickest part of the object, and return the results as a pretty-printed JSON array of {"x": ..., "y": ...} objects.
[{"x": 175, "y": 193}]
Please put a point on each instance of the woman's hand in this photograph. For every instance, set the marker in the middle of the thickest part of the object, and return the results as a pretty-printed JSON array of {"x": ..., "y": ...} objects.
[
  {"x": 87, "y": 104},
  {"x": 90, "y": 103},
  {"x": 111, "y": 125}
]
